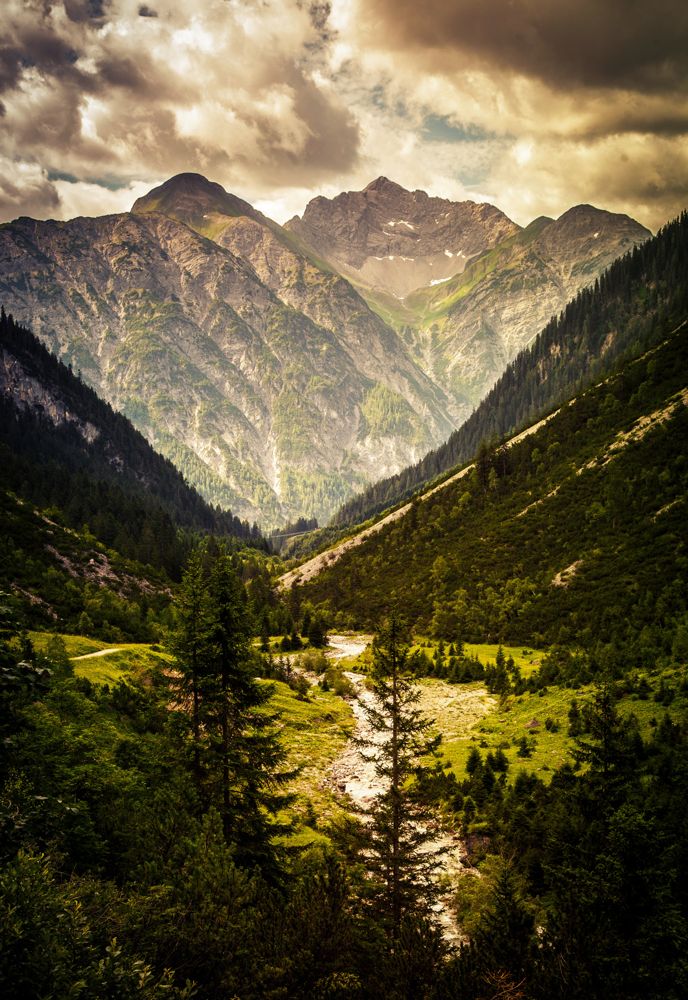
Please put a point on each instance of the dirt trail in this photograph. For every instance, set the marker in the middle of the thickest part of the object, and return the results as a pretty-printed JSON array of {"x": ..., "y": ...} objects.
[
  {"x": 311, "y": 568},
  {"x": 353, "y": 774},
  {"x": 101, "y": 652}
]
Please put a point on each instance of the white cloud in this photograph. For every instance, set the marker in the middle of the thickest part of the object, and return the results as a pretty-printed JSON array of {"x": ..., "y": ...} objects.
[
  {"x": 83, "y": 198},
  {"x": 226, "y": 90}
]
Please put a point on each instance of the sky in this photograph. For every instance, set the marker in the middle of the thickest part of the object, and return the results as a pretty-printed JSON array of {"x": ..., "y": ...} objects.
[{"x": 532, "y": 105}]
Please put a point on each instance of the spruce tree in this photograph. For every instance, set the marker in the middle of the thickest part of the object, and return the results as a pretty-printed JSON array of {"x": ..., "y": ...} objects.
[
  {"x": 400, "y": 858},
  {"x": 504, "y": 939},
  {"x": 243, "y": 735},
  {"x": 191, "y": 644}
]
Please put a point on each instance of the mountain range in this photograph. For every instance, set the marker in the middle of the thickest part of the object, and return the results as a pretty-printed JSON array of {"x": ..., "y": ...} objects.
[
  {"x": 279, "y": 367},
  {"x": 463, "y": 285}
]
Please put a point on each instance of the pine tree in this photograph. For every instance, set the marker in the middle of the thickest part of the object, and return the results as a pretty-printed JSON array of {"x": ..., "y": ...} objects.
[
  {"x": 504, "y": 942},
  {"x": 399, "y": 857},
  {"x": 191, "y": 643},
  {"x": 243, "y": 735}
]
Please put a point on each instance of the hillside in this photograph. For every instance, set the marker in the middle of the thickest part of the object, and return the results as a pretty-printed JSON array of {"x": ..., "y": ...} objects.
[
  {"x": 93, "y": 519},
  {"x": 576, "y": 533},
  {"x": 627, "y": 310}
]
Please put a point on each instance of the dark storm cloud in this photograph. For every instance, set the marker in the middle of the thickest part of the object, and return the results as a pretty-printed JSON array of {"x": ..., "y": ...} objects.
[
  {"x": 41, "y": 47},
  {"x": 617, "y": 44},
  {"x": 36, "y": 47},
  {"x": 665, "y": 122},
  {"x": 85, "y": 10},
  {"x": 126, "y": 72}
]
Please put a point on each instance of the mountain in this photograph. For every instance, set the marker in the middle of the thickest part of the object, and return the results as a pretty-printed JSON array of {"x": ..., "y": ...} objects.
[
  {"x": 396, "y": 241},
  {"x": 465, "y": 286},
  {"x": 275, "y": 397},
  {"x": 242, "y": 353},
  {"x": 85, "y": 499},
  {"x": 622, "y": 314},
  {"x": 574, "y": 534}
]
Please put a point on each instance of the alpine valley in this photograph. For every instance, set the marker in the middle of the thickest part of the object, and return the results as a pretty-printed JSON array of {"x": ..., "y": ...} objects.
[
  {"x": 434, "y": 750},
  {"x": 343, "y": 524},
  {"x": 284, "y": 368}
]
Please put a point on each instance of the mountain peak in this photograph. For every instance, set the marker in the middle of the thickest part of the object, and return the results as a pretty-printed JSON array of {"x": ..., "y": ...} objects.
[
  {"x": 397, "y": 241},
  {"x": 189, "y": 181},
  {"x": 189, "y": 195},
  {"x": 581, "y": 218},
  {"x": 383, "y": 184},
  {"x": 181, "y": 185}
]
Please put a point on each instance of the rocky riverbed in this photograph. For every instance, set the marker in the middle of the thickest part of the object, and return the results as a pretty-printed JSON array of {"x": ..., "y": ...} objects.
[{"x": 353, "y": 774}]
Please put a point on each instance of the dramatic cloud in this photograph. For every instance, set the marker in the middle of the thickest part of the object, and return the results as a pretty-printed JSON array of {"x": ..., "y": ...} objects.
[
  {"x": 532, "y": 104},
  {"x": 625, "y": 44},
  {"x": 25, "y": 190},
  {"x": 570, "y": 101},
  {"x": 125, "y": 91}
]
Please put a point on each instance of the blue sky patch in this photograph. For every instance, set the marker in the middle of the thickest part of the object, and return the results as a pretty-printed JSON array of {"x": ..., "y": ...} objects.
[{"x": 439, "y": 128}]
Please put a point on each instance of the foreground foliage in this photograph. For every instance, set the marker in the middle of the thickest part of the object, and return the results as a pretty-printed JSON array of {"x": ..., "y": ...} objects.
[{"x": 121, "y": 876}]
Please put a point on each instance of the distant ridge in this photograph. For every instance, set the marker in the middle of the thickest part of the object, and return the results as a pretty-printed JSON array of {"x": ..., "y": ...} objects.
[
  {"x": 462, "y": 284},
  {"x": 619, "y": 315}
]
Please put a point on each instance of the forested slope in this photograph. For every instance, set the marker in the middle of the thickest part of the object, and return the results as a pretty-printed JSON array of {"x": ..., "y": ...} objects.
[
  {"x": 51, "y": 417},
  {"x": 575, "y": 534},
  {"x": 626, "y": 311},
  {"x": 87, "y": 503}
]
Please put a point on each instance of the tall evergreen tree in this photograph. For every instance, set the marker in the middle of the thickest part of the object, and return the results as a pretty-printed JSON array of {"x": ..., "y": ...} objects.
[
  {"x": 191, "y": 643},
  {"x": 242, "y": 732},
  {"x": 504, "y": 939},
  {"x": 400, "y": 859}
]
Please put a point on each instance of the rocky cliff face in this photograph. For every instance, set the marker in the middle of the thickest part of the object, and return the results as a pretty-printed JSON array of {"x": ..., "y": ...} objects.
[
  {"x": 266, "y": 410},
  {"x": 28, "y": 393},
  {"x": 281, "y": 369},
  {"x": 395, "y": 241},
  {"x": 464, "y": 286}
]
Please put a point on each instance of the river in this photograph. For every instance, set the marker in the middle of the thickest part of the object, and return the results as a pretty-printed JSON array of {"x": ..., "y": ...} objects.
[{"x": 353, "y": 774}]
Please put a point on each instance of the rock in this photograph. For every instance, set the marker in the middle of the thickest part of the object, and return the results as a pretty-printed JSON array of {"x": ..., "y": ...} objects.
[
  {"x": 466, "y": 287},
  {"x": 264, "y": 376}
]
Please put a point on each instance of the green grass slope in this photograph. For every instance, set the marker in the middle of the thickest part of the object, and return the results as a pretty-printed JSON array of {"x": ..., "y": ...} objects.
[{"x": 578, "y": 531}]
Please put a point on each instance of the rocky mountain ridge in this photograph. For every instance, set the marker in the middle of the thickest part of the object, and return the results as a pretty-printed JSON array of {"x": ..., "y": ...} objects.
[
  {"x": 265, "y": 410},
  {"x": 278, "y": 386},
  {"x": 464, "y": 286}
]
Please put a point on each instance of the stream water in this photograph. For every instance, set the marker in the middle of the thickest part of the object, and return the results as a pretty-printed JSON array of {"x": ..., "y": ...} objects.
[{"x": 353, "y": 774}]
